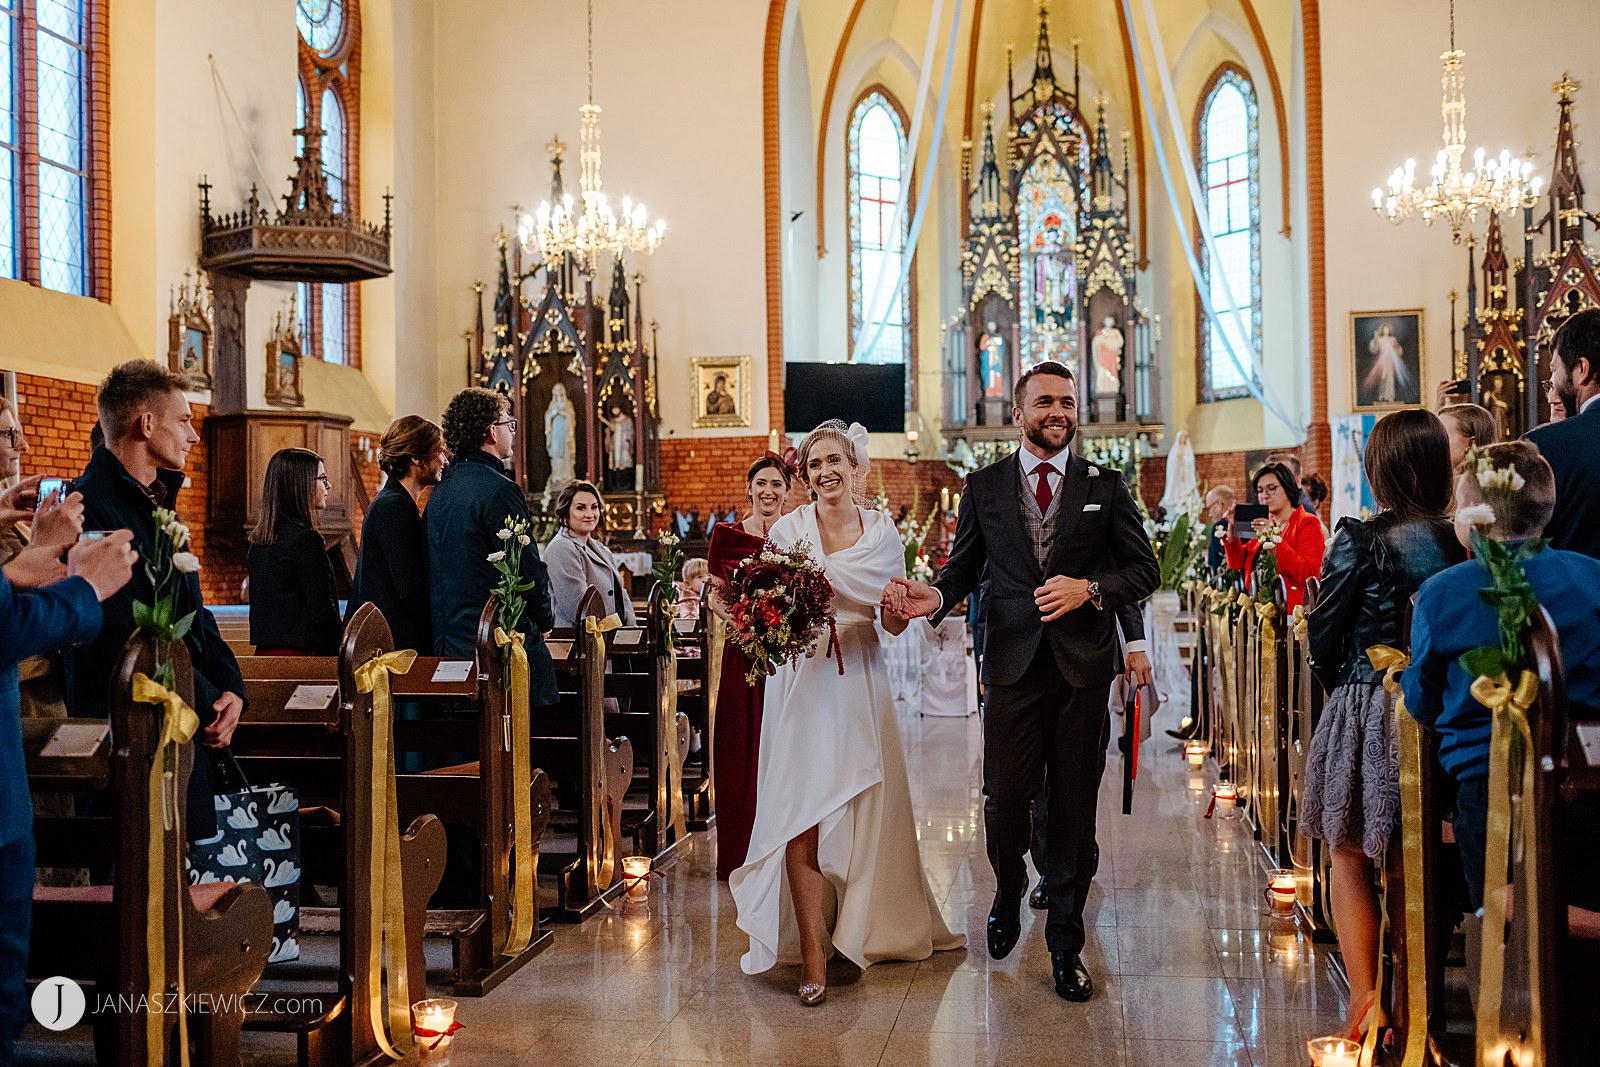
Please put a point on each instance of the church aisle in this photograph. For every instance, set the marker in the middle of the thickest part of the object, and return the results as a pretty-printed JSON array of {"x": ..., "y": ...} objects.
[{"x": 1187, "y": 967}]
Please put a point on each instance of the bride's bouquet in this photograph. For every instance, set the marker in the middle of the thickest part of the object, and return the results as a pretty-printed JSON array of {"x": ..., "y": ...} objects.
[{"x": 780, "y": 602}]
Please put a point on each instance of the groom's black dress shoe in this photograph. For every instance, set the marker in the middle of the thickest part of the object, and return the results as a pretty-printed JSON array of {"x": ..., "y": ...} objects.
[
  {"x": 1039, "y": 898},
  {"x": 1005, "y": 926},
  {"x": 1072, "y": 977}
]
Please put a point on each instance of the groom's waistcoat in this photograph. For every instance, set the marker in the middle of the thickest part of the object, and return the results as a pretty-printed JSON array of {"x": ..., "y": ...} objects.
[{"x": 1040, "y": 528}]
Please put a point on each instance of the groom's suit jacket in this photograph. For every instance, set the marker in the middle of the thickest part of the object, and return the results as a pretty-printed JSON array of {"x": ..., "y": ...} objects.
[{"x": 1097, "y": 535}]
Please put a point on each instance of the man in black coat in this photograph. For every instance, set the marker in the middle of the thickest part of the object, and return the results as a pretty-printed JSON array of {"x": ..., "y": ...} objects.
[
  {"x": 465, "y": 511},
  {"x": 1063, "y": 548},
  {"x": 149, "y": 431},
  {"x": 1572, "y": 446}
]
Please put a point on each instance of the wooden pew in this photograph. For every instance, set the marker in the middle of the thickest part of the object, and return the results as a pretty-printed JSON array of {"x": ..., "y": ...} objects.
[
  {"x": 1303, "y": 853},
  {"x": 698, "y": 675},
  {"x": 641, "y": 678},
  {"x": 330, "y": 756},
  {"x": 590, "y": 772},
  {"x": 100, "y": 932}
]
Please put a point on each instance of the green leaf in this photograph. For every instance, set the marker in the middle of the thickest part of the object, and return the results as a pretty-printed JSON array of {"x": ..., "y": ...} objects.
[
  {"x": 182, "y": 627},
  {"x": 1484, "y": 662},
  {"x": 142, "y": 618},
  {"x": 523, "y": 587}
]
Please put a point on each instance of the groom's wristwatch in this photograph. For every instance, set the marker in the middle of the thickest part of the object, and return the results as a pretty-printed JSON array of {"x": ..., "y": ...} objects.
[{"x": 1094, "y": 595}]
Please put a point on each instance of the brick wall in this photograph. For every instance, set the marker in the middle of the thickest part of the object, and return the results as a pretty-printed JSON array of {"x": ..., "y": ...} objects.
[{"x": 57, "y": 417}]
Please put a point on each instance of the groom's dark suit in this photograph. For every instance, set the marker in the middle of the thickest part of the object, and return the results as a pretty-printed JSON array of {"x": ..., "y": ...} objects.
[{"x": 1047, "y": 684}]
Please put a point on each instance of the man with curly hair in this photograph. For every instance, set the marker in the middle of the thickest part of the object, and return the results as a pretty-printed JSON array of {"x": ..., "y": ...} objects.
[{"x": 466, "y": 509}]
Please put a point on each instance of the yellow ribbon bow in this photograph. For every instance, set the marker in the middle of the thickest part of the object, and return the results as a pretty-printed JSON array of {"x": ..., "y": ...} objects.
[
  {"x": 388, "y": 933},
  {"x": 1299, "y": 622},
  {"x": 179, "y": 724},
  {"x": 602, "y": 626},
  {"x": 1391, "y": 661},
  {"x": 1498, "y": 694},
  {"x": 1265, "y": 612},
  {"x": 518, "y": 732}
]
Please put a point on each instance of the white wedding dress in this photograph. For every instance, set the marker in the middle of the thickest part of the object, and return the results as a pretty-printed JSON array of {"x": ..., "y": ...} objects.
[{"x": 831, "y": 757}]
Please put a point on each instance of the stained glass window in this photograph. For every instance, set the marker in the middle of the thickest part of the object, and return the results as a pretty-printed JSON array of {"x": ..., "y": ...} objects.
[
  {"x": 333, "y": 145},
  {"x": 321, "y": 23},
  {"x": 1047, "y": 221},
  {"x": 325, "y": 98},
  {"x": 876, "y": 150},
  {"x": 1230, "y": 173}
]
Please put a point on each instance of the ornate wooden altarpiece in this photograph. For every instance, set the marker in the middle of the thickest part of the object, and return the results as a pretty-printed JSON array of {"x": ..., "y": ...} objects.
[
  {"x": 1048, "y": 270},
  {"x": 581, "y": 379},
  {"x": 1506, "y": 352}
]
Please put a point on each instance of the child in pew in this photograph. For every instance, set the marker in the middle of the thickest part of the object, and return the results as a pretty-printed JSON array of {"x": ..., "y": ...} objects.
[{"x": 1451, "y": 618}]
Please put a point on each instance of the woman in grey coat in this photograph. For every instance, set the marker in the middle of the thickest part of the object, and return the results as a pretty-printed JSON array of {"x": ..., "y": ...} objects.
[{"x": 577, "y": 559}]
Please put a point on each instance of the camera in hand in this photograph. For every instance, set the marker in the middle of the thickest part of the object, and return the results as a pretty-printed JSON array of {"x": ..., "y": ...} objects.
[
  {"x": 1461, "y": 387},
  {"x": 1243, "y": 516},
  {"x": 53, "y": 488}
]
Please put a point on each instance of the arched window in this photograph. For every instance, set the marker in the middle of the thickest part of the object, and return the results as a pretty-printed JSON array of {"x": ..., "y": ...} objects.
[
  {"x": 1227, "y": 143},
  {"x": 328, "y": 96},
  {"x": 54, "y": 199},
  {"x": 880, "y": 310}
]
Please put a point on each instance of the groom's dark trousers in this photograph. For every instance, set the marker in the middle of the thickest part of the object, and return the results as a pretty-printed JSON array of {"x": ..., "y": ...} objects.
[{"x": 1047, "y": 684}]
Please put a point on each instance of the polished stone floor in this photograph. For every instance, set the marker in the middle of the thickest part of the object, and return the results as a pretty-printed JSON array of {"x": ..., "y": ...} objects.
[{"x": 1188, "y": 969}]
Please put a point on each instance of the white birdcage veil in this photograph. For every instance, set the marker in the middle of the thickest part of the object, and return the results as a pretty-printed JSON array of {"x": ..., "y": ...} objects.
[{"x": 854, "y": 438}]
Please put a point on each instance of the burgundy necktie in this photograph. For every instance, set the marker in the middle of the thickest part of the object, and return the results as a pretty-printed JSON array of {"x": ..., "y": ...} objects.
[{"x": 1042, "y": 494}]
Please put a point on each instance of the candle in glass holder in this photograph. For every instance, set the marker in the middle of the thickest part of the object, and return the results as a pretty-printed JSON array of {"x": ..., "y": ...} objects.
[
  {"x": 1281, "y": 892},
  {"x": 433, "y": 1026},
  {"x": 636, "y": 877},
  {"x": 1195, "y": 753},
  {"x": 1333, "y": 1052},
  {"x": 1227, "y": 798}
]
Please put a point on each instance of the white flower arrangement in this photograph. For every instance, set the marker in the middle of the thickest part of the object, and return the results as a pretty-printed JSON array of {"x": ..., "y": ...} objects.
[
  {"x": 1271, "y": 535},
  {"x": 187, "y": 562},
  {"x": 1476, "y": 515},
  {"x": 169, "y": 558},
  {"x": 1505, "y": 478},
  {"x": 504, "y": 533},
  {"x": 524, "y": 540},
  {"x": 496, "y": 557}
]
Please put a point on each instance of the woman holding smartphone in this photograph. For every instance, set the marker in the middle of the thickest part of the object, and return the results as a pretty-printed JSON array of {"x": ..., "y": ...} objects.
[{"x": 1299, "y": 543}]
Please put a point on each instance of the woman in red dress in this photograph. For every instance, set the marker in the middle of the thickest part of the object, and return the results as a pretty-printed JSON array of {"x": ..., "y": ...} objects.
[
  {"x": 1300, "y": 550},
  {"x": 736, "y": 741}
]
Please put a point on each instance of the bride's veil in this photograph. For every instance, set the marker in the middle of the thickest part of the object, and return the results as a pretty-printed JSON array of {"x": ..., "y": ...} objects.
[{"x": 854, "y": 439}]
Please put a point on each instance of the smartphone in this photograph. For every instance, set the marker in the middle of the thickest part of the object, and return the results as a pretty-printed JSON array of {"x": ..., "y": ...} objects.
[
  {"x": 1461, "y": 387},
  {"x": 1243, "y": 516},
  {"x": 92, "y": 535},
  {"x": 53, "y": 487}
]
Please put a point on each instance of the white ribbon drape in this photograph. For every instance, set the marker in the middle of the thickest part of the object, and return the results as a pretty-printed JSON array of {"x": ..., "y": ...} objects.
[
  {"x": 872, "y": 308},
  {"x": 1249, "y": 365}
]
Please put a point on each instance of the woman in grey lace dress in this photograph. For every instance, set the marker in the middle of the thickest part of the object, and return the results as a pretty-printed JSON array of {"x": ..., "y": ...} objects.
[{"x": 1352, "y": 787}]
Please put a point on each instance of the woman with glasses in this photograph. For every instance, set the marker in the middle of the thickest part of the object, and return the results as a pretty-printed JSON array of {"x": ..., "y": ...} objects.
[
  {"x": 1295, "y": 535},
  {"x": 293, "y": 611}
]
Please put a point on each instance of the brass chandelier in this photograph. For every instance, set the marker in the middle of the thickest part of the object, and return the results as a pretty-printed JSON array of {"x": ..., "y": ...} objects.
[
  {"x": 586, "y": 230},
  {"x": 1494, "y": 184}
]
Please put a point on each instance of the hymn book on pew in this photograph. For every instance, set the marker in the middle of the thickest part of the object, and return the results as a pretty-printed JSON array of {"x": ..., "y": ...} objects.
[
  {"x": 452, "y": 670},
  {"x": 311, "y": 698},
  {"x": 1589, "y": 738},
  {"x": 76, "y": 740}
]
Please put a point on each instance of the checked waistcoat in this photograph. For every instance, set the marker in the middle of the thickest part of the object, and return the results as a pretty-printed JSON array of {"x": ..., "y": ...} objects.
[{"x": 1040, "y": 529}]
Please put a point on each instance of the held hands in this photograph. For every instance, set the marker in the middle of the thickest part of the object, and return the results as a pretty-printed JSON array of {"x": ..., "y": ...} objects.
[
  {"x": 1059, "y": 595},
  {"x": 910, "y": 600},
  {"x": 1139, "y": 669}
]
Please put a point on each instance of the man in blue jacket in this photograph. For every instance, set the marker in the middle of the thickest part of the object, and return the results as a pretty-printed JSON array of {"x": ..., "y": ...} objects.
[{"x": 49, "y": 606}]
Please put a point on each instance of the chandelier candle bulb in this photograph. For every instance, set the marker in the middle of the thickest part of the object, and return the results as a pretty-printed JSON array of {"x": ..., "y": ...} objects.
[
  {"x": 1195, "y": 753},
  {"x": 1333, "y": 1052},
  {"x": 1281, "y": 892},
  {"x": 431, "y": 1025},
  {"x": 636, "y": 876}
]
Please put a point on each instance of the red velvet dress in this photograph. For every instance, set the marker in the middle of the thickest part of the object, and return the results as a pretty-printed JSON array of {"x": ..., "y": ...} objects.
[{"x": 736, "y": 742}]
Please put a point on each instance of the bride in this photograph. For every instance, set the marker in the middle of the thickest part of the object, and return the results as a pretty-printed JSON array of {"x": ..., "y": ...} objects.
[{"x": 833, "y": 864}]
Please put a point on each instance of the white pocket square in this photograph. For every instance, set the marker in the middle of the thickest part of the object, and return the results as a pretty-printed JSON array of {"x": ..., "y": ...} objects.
[{"x": 1091, "y": 507}]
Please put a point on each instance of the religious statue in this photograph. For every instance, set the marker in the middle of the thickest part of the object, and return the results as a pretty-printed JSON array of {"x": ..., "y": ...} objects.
[
  {"x": 1499, "y": 407},
  {"x": 1107, "y": 349},
  {"x": 561, "y": 438},
  {"x": 1388, "y": 374},
  {"x": 992, "y": 361},
  {"x": 719, "y": 401},
  {"x": 619, "y": 439}
]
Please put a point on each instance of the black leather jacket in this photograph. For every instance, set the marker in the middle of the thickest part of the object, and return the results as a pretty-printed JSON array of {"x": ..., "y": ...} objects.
[{"x": 1369, "y": 575}]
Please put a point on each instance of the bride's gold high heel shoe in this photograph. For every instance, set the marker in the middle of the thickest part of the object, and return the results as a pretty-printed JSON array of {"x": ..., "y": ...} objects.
[{"x": 813, "y": 993}]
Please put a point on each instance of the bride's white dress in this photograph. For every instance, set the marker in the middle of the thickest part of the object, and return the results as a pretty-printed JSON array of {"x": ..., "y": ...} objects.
[{"x": 831, "y": 757}]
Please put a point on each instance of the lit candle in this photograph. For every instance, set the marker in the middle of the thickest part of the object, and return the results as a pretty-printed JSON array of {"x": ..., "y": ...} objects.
[
  {"x": 636, "y": 876},
  {"x": 772, "y": 440},
  {"x": 1195, "y": 753},
  {"x": 944, "y": 499},
  {"x": 956, "y": 503},
  {"x": 1333, "y": 1052},
  {"x": 1227, "y": 798},
  {"x": 433, "y": 1026},
  {"x": 1281, "y": 891}
]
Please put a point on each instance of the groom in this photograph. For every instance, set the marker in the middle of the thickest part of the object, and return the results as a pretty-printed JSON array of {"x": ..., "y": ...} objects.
[{"x": 1063, "y": 548}]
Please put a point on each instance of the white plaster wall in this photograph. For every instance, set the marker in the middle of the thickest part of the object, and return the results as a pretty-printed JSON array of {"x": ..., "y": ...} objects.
[
  {"x": 680, "y": 86},
  {"x": 1381, "y": 105}
]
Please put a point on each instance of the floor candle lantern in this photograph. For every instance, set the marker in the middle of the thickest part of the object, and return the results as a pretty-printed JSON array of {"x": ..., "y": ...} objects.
[
  {"x": 1227, "y": 798},
  {"x": 1195, "y": 753},
  {"x": 636, "y": 877},
  {"x": 1281, "y": 893},
  {"x": 1333, "y": 1052},
  {"x": 433, "y": 1025}
]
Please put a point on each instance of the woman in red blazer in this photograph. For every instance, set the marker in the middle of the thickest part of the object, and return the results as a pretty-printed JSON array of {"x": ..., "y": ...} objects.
[{"x": 1300, "y": 551}]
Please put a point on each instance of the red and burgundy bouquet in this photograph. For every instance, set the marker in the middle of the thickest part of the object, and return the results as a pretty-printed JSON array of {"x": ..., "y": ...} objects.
[{"x": 781, "y": 602}]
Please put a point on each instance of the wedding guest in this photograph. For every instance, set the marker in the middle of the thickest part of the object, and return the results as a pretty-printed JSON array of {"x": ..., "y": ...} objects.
[
  {"x": 691, "y": 587},
  {"x": 1558, "y": 406},
  {"x": 465, "y": 511},
  {"x": 578, "y": 559},
  {"x": 736, "y": 744},
  {"x": 392, "y": 573},
  {"x": 149, "y": 432},
  {"x": 1469, "y": 426},
  {"x": 293, "y": 610},
  {"x": 1451, "y": 618},
  {"x": 1298, "y": 551},
  {"x": 1572, "y": 445},
  {"x": 1351, "y": 798},
  {"x": 37, "y": 617},
  {"x": 1219, "y": 506}
]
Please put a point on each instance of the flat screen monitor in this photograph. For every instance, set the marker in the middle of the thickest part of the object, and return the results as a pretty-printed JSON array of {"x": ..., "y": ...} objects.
[{"x": 869, "y": 393}]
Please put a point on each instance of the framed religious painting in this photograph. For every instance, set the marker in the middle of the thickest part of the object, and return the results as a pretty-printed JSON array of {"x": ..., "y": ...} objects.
[
  {"x": 189, "y": 332},
  {"x": 720, "y": 388},
  {"x": 284, "y": 359},
  {"x": 1386, "y": 359}
]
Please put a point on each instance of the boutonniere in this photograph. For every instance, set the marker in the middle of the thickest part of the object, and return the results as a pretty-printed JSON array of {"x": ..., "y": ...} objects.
[{"x": 1094, "y": 472}]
